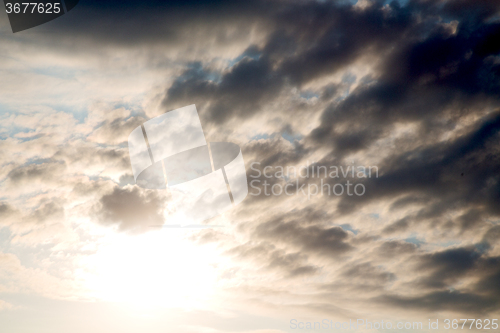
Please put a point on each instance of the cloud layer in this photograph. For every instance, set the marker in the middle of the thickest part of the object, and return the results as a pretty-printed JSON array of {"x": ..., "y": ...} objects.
[{"x": 409, "y": 87}]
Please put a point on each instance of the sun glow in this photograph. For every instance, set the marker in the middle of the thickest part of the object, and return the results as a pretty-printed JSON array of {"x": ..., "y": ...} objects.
[{"x": 157, "y": 269}]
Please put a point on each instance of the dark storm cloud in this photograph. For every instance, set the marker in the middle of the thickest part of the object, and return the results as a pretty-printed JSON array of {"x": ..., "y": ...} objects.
[
  {"x": 492, "y": 235},
  {"x": 463, "y": 172},
  {"x": 490, "y": 283},
  {"x": 307, "y": 40},
  {"x": 244, "y": 89},
  {"x": 447, "y": 266},
  {"x": 130, "y": 22},
  {"x": 313, "y": 40},
  {"x": 419, "y": 83}
]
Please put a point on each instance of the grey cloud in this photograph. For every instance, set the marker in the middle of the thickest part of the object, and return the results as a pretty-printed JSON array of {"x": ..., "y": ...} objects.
[
  {"x": 462, "y": 302},
  {"x": 131, "y": 209},
  {"x": 116, "y": 131},
  {"x": 36, "y": 172},
  {"x": 130, "y": 23},
  {"x": 436, "y": 170},
  {"x": 320, "y": 240},
  {"x": 49, "y": 210},
  {"x": 361, "y": 277},
  {"x": 392, "y": 249},
  {"x": 490, "y": 282},
  {"x": 271, "y": 258},
  {"x": 85, "y": 155},
  {"x": 447, "y": 266},
  {"x": 492, "y": 235},
  {"x": 8, "y": 213},
  {"x": 314, "y": 40},
  {"x": 366, "y": 271}
]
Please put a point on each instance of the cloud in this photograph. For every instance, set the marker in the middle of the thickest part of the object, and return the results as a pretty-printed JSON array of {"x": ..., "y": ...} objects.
[
  {"x": 5, "y": 305},
  {"x": 327, "y": 240},
  {"x": 16, "y": 278},
  {"x": 450, "y": 300},
  {"x": 131, "y": 209},
  {"x": 448, "y": 266},
  {"x": 273, "y": 259},
  {"x": 33, "y": 173},
  {"x": 412, "y": 89}
]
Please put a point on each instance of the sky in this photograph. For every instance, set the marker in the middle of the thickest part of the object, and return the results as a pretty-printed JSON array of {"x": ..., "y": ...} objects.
[{"x": 407, "y": 93}]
